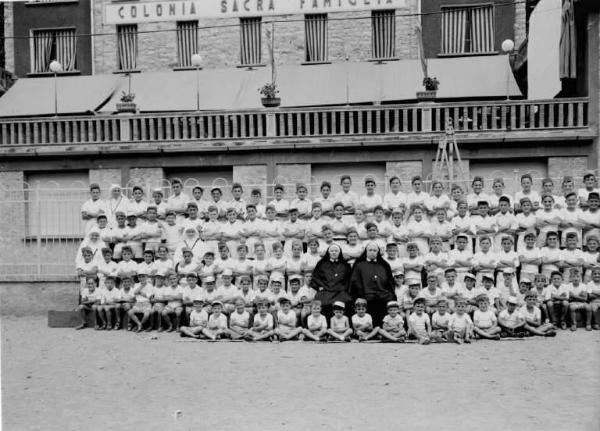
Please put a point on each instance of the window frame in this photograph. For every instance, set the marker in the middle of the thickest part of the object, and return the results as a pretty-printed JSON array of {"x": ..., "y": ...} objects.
[
  {"x": 470, "y": 8},
  {"x": 320, "y": 61},
  {"x": 261, "y": 62},
  {"x": 32, "y": 32},
  {"x": 190, "y": 67},
  {"x": 394, "y": 53},
  {"x": 118, "y": 60}
]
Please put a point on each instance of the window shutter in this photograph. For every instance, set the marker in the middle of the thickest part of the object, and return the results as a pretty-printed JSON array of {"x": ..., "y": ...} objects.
[
  {"x": 316, "y": 38},
  {"x": 468, "y": 30},
  {"x": 383, "y": 39},
  {"x": 250, "y": 41},
  {"x": 187, "y": 42},
  {"x": 127, "y": 47}
]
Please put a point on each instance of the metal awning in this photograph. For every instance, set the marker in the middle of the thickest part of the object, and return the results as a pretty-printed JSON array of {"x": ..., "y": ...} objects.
[{"x": 237, "y": 88}]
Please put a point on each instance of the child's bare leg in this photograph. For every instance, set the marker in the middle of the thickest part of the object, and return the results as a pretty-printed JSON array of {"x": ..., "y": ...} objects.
[
  {"x": 385, "y": 334},
  {"x": 167, "y": 318},
  {"x": 563, "y": 313},
  {"x": 533, "y": 330},
  {"x": 178, "y": 318},
  {"x": 588, "y": 317},
  {"x": 372, "y": 334},
  {"x": 145, "y": 318},
  {"x": 335, "y": 335},
  {"x": 209, "y": 334},
  {"x": 551, "y": 313},
  {"x": 108, "y": 313},
  {"x": 186, "y": 331},
  {"x": 484, "y": 333},
  {"x": 573, "y": 311},
  {"x": 83, "y": 314},
  {"x": 309, "y": 335},
  {"x": 133, "y": 317},
  {"x": 264, "y": 336},
  {"x": 596, "y": 312},
  {"x": 158, "y": 317}
]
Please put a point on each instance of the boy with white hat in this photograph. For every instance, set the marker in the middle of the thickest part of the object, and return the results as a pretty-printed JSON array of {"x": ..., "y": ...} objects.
[{"x": 510, "y": 320}]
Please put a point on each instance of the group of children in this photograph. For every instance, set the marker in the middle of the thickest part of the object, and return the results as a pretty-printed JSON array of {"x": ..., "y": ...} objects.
[{"x": 464, "y": 265}]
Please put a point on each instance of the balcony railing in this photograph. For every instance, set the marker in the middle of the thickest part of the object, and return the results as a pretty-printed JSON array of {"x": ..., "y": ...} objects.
[{"x": 505, "y": 116}]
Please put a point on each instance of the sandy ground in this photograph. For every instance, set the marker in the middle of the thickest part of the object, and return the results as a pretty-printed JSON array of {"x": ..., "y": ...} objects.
[{"x": 62, "y": 379}]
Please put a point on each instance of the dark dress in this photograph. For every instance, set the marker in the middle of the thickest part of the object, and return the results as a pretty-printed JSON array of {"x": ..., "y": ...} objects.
[
  {"x": 331, "y": 280},
  {"x": 373, "y": 281}
]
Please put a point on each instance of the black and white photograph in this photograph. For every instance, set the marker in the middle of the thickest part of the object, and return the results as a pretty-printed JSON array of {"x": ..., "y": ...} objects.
[{"x": 300, "y": 215}]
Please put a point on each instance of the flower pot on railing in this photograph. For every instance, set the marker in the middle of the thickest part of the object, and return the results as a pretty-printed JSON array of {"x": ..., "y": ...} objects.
[
  {"x": 270, "y": 102},
  {"x": 426, "y": 96},
  {"x": 127, "y": 107}
]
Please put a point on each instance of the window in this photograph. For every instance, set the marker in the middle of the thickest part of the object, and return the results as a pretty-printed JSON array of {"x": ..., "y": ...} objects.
[
  {"x": 187, "y": 42},
  {"x": 316, "y": 37},
  {"x": 54, "y": 44},
  {"x": 127, "y": 47},
  {"x": 383, "y": 40},
  {"x": 468, "y": 30},
  {"x": 250, "y": 41}
]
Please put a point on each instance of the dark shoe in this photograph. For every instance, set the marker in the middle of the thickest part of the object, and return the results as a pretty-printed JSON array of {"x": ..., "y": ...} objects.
[{"x": 83, "y": 325}]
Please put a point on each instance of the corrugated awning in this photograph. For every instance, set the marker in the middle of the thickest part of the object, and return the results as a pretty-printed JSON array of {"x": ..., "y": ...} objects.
[{"x": 235, "y": 88}]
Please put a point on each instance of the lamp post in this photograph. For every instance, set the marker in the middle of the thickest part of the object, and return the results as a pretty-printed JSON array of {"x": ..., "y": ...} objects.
[
  {"x": 197, "y": 62},
  {"x": 55, "y": 67},
  {"x": 507, "y": 47}
]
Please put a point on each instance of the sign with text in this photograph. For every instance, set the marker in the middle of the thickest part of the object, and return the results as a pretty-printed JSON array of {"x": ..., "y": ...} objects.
[{"x": 131, "y": 13}]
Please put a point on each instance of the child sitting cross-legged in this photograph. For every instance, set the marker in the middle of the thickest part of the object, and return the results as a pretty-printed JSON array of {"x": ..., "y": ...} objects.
[
  {"x": 198, "y": 321},
  {"x": 511, "y": 321},
  {"x": 287, "y": 321},
  {"x": 362, "y": 322},
  {"x": 339, "y": 324},
  {"x": 262, "y": 326},
  {"x": 393, "y": 324},
  {"x": 419, "y": 324},
  {"x": 316, "y": 323},
  {"x": 485, "y": 323},
  {"x": 440, "y": 320},
  {"x": 533, "y": 317},
  {"x": 239, "y": 320},
  {"x": 90, "y": 299},
  {"x": 216, "y": 328},
  {"x": 460, "y": 326}
]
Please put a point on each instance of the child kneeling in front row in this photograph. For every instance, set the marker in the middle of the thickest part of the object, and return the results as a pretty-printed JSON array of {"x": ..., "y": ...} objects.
[
  {"x": 362, "y": 322},
  {"x": 393, "y": 324},
  {"x": 339, "y": 324}
]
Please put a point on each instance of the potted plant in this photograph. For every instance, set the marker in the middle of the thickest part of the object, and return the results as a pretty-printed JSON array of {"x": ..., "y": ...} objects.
[
  {"x": 269, "y": 92},
  {"x": 431, "y": 85},
  {"x": 127, "y": 104}
]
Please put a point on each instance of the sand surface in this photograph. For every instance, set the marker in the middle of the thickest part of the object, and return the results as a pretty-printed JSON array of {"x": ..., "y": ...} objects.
[{"x": 62, "y": 379}]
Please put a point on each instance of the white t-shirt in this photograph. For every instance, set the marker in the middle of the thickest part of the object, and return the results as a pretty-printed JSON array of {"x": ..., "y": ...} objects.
[
  {"x": 241, "y": 320},
  {"x": 260, "y": 320},
  {"x": 459, "y": 323},
  {"x": 199, "y": 318},
  {"x": 484, "y": 319},
  {"x": 217, "y": 322},
  {"x": 289, "y": 319},
  {"x": 362, "y": 322},
  {"x": 439, "y": 321},
  {"x": 316, "y": 323},
  {"x": 418, "y": 323},
  {"x": 533, "y": 316}
]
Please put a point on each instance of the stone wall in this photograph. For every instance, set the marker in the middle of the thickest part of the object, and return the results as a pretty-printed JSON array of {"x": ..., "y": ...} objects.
[
  {"x": 105, "y": 178},
  {"x": 574, "y": 166},
  {"x": 9, "y": 44}
]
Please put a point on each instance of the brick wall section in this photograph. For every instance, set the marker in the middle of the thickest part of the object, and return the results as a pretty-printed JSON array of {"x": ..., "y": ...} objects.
[
  {"x": 148, "y": 178},
  {"x": 220, "y": 47},
  {"x": 558, "y": 167},
  {"x": 290, "y": 174},
  {"x": 105, "y": 177},
  {"x": 520, "y": 23},
  {"x": 251, "y": 176},
  {"x": 405, "y": 171},
  {"x": 9, "y": 45}
]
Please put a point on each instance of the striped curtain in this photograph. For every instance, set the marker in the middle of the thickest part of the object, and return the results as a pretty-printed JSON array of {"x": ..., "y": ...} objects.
[
  {"x": 187, "y": 42},
  {"x": 43, "y": 41},
  {"x": 127, "y": 47},
  {"x": 482, "y": 29},
  {"x": 250, "y": 41},
  {"x": 454, "y": 24},
  {"x": 383, "y": 40},
  {"x": 66, "y": 49},
  {"x": 316, "y": 37}
]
